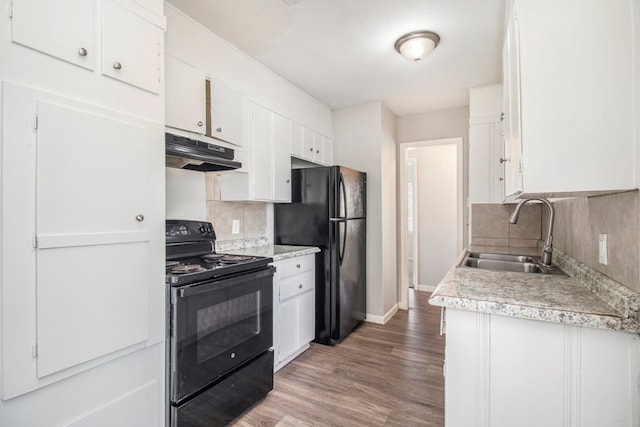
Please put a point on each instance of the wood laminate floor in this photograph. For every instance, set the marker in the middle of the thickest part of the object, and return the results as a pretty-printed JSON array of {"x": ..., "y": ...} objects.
[{"x": 380, "y": 375}]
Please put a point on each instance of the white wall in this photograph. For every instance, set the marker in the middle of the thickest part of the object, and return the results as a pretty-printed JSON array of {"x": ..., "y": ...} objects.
[
  {"x": 439, "y": 125},
  {"x": 365, "y": 140},
  {"x": 437, "y": 211}
]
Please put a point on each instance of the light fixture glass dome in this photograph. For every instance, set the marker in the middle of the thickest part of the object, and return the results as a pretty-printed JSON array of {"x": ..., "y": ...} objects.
[{"x": 417, "y": 45}]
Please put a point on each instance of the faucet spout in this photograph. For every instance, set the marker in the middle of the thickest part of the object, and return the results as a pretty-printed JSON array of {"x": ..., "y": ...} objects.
[{"x": 547, "y": 249}]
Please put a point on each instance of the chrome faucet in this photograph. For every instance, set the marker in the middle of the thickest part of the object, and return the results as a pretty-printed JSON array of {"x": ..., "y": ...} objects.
[{"x": 547, "y": 250}]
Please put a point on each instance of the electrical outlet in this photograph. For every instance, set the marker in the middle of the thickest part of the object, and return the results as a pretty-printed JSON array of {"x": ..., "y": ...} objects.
[
  {"x": 602, "y": 249},
  {"x": 235, "y": 226}
]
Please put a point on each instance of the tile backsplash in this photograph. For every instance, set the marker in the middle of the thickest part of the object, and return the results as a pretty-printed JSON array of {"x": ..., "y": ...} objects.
[
  {"x": 251, "y": 215},
  {"x": 578, "y": 223},
  {"x": 490, "y": 226}
]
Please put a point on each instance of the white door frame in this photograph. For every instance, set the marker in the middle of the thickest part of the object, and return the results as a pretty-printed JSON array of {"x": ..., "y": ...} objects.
[
  {"x": 414, "y": 242},
  {"x": 404, "y": 262}
]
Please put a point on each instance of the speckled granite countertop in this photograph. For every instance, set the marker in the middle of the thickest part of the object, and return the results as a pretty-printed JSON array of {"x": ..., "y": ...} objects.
[
  {"x": 277, "y": 252},
  {"x": 584, "y": 297}
]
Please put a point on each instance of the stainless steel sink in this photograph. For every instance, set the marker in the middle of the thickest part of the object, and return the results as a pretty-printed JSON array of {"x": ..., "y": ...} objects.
[
  {"x": 505, "y": 262},
  {"x": 500, "y": 257}
]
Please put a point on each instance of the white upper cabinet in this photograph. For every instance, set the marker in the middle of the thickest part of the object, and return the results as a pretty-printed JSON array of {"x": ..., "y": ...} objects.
[
  {"x": 227, "y": 106},
  {"x": 268, "y": 173},
  {"x": 568, "y": 69},
  {"x": 131, "y": 44},
  {"x": 131, "y": 47},
  {"x": 486, "y": 145},
  {"x": 63, "y": 29},
  {"x": 306, "y": 144},
  {"x": 185, "y": 96},
  {"x": 281, "y": 158}
]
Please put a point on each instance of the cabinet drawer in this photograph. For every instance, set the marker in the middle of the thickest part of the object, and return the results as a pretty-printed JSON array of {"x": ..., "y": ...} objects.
[
  {"x": 295, "y": 266},
  {"x": 296, "y": 285}
]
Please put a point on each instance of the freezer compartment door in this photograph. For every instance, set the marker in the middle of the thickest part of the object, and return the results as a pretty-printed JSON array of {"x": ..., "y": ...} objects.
[
  {"x": 348, "y": 272},
  {"x": 349, "y": 193}
]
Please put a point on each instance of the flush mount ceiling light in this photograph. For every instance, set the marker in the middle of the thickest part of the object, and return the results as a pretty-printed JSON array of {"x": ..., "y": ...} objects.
[{"x": 417, "y": 45}]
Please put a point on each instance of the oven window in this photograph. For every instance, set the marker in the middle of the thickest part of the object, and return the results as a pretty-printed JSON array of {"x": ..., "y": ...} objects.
[{"x": 225, "y": 325}]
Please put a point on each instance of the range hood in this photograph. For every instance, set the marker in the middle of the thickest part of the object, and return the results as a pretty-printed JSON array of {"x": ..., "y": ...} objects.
[{"x": 185, "y": 153}]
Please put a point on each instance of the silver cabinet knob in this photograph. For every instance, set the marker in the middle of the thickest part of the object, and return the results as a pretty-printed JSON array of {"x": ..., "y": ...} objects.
[
  {"x": 288, "y": 181},
  {"x": 219, "y": 130},
  {"x": 311, "y": 149},
  {"x": 317, "y": 151},
  {"x": 117, "y": 66},
  {"x": 501, "y": 116},
  {"x": 200, "y": 123},
  {"x": 500, "y": 179},
  {"x": 140, "y": 218},
  {"x": 300, "y": 286},
  {"x": 82, "y": 51},
  {"x": 503, "y": 160},
  {"x": 297, "y": 265}
]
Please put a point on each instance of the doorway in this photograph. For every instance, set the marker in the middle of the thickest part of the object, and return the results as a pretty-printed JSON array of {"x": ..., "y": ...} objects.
[{"x": 436, "y": 237}]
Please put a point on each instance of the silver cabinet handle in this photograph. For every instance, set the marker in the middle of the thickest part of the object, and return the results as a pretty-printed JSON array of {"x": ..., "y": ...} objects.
[
  {"x": 117, "y": 66},
  {"x": 140, "y": 218},
  {"x": 200, "y": 123},
  {"x": 503, "y": 160},
  {"x": 82, "y": 51},
  {"x": 219, "y": 130}
]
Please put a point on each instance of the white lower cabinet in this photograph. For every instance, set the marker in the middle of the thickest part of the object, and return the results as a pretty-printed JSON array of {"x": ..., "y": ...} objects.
[
  {"x": 293, "y": 308},
  {"x": 504, "y": 371}
]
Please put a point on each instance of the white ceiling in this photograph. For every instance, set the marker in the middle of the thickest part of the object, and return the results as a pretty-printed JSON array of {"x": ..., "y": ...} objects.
[{"x": 342, "y": 51}]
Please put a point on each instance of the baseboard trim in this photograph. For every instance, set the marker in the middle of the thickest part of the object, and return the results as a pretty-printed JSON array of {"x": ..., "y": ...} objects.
[{"x": 381, "y": 320}]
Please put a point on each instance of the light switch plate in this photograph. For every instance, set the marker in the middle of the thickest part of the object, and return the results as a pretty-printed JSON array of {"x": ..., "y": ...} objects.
[
  {"x": 602, "y": 249},
  {"x": 235, "y": 226}
]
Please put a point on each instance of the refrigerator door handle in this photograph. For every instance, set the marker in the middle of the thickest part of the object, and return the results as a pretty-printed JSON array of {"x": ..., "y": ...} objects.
[
  {"x": 344, "y": 240},
  {"x": 343, "y": 194}
]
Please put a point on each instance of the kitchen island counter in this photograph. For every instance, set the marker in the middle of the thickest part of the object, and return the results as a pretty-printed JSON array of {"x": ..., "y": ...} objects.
[{"x": 582, "y": 298}]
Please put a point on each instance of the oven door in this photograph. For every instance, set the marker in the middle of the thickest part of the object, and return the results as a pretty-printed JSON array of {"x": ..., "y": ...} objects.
[{"x": 217, "y": 326}]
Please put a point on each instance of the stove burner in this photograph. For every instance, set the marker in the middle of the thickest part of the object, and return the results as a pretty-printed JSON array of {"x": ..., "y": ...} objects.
[
  {"x": 212, "y": 257},
  {"x": 182, "y": 269},
  {"x": 233, "y": 259}
]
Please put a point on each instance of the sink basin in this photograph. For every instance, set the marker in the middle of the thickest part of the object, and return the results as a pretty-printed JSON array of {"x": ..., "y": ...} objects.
[
  {"x": 500, "y": 257},
  {"x": 505, "y": 262}
]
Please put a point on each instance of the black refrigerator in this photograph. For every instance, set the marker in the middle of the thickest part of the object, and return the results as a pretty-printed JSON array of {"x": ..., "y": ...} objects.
[{"x": 328, "y": 210}]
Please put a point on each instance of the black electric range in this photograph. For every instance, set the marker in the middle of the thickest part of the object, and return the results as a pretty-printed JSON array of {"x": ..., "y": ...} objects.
[{"x": 191, "y": 256}]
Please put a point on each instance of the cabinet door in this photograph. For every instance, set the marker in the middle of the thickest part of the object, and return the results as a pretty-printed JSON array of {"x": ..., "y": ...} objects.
[
  {"x": 318, "y": 148},
  {"x": 130, "y": 48},
  {"x": 63, "y": 29},
  {"x": 288, "y": 328},
  {"x": 92, "y": 241},
  {"x": 297, "y": 140},
  {"x": 511, "y": 122},
  {"x": 486, "y": 177},
  {"x": 185, "y": 96},
  {"x": 227, "y": 106},
  {"x": 262, "y": 147},
  {"x": 282, "y": 158},
  {"x": 307, "y": 317},
  {"x": 308, "y": 144}
]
